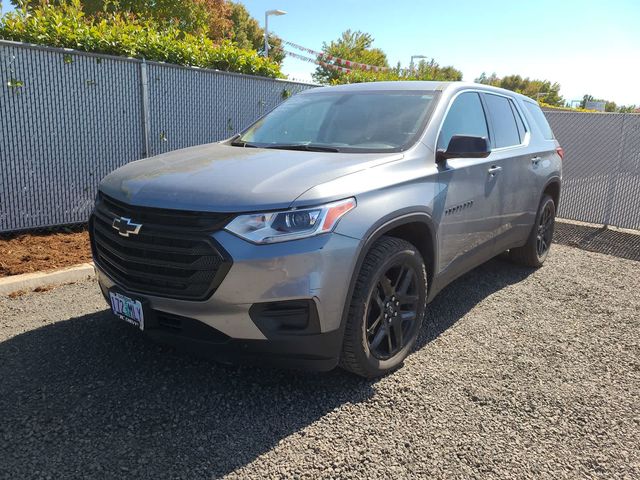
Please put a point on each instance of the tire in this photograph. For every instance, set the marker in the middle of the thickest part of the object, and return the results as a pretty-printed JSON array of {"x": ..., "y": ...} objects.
[
  {"x": 536, "y": 250},
  {"x": 386, "y": 310}
]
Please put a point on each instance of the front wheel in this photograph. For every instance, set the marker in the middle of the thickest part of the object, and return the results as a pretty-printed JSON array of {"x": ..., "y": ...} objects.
[
  {"x": 386, "y": 310},
  {"x": 535, "y": 251}
]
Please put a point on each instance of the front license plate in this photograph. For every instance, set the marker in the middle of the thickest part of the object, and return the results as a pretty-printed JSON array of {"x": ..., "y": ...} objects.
[{"x": 127, "y": 309}]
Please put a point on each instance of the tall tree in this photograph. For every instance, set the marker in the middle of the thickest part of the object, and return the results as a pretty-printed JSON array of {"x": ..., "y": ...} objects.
[
  {"x": 542, "y": 90},
  {"x": 354, "y": 46},
  {"x": 585, "y": 99}
]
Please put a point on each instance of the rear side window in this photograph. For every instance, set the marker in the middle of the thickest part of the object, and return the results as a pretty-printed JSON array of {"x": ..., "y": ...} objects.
[
  {"x": 465, "y": 117},
  {"x": 503, "y": 120},
  {"x": 540, "y": 119},
  {"x": 521, "y": 128}
]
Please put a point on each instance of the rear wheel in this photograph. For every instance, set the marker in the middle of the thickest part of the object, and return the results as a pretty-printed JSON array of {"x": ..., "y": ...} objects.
[
  {"x": 386, "y": 310},
  {"x": 535, "y": 252}
]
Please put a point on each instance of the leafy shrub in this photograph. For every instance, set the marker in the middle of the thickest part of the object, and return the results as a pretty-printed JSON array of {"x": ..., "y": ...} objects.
[{"x": 115, "y": 33}]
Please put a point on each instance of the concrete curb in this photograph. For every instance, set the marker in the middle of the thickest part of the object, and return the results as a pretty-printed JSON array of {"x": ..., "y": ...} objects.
[
  {"x": 599, "y": 226},
  {"x": 30, "y": 281}
]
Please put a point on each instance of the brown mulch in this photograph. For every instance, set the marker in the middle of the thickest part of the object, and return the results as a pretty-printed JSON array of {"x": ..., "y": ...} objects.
[{"x": 33, "y": 252}]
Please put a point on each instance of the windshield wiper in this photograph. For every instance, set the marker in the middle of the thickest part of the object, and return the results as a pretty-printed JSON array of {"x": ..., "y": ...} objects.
[
  {"x": 240, "y": 143},
  {"x": 306, "y": 147}
]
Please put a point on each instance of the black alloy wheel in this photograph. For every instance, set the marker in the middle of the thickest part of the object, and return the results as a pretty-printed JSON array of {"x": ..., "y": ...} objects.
[
  {"x": 535, "y": 251},
  {"x": 545, "y": 229},
  {"x": 386, "y": 309},
  {"x": 392, "y": 310}
]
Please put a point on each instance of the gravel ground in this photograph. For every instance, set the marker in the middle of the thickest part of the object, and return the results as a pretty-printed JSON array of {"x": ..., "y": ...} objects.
[{"x": 519, "y": 374}]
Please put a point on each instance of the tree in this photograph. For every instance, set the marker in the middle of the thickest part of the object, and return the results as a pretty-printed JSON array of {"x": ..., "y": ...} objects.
[
  {"x": 539, "y": 90},
  {"x": 119, "y": 33},
  {"x": 357, "y": 47},
  {"x": 217, "y": 19},
  {"x": 490, "y": 80},
  {"x": 585, "y": 99},
  {"x": 198, "y": 17},
  {"x": 629, "y": 109},
  {"x": 431, "y": 70},
  {"x": 353, "y": 46},
  {"x": 247, "y": 33},
  {"x": 609, "y": 106}
]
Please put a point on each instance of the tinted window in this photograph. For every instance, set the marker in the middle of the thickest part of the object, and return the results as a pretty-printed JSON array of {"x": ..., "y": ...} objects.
[
  {"x": 540, "y": 119},
  {"x": 349, "y": 121},
  {"x": 521, "y": 128},
  {"x": 505, "y": 130},
  {"x": 465, "y": 117}
]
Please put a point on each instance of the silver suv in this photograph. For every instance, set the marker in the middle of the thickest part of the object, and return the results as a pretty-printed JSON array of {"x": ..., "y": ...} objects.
[{"x": 318, "y": 236}]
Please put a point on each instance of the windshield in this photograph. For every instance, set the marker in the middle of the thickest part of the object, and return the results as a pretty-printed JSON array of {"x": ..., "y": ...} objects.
[{"x": 374, "y": 121}]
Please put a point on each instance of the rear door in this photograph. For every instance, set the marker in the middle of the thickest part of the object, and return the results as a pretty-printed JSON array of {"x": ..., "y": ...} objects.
[
  {"x": 510, "y": 152},
  {"x": 470, "y": 202},
  {"x": 546, "y": 161}
]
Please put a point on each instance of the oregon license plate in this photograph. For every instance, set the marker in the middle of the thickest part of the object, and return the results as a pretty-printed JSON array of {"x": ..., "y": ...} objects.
[{"x": 128, "y": 309}]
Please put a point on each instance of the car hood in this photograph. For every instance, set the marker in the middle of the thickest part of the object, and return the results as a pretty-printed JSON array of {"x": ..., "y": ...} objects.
[{"x": 222, "y": 178}]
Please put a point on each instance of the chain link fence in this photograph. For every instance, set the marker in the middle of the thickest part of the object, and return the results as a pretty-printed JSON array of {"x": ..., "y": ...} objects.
[
  {"x": 601, "y": 168},
  {"x": 69, "y": 118}
]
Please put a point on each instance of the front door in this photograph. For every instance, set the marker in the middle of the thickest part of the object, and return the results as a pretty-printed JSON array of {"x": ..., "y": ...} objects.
[{"x": 470, "y": 199}]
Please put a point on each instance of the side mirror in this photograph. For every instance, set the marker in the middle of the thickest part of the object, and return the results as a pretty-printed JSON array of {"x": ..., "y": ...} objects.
[{"x": 464, "y": 146}]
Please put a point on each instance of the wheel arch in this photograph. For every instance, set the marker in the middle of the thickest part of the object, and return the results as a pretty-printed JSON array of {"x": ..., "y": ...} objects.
[
  {"x": 552, "y": 188},
  {"x": 416, "y": 227}
]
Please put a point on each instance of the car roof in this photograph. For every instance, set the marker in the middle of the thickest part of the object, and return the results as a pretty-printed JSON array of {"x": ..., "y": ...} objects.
[
  {"x": 438, "y": 86},
  {"x": 382, "y": 86}
]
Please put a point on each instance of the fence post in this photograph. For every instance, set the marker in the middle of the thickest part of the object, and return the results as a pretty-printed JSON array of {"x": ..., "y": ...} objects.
[
  {"x": 146, "y": 119},
  {"x": 614, "y": 174}
]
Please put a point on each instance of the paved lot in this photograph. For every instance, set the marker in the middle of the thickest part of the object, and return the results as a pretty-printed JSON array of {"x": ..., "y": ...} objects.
[{"x": 519, "y": 374}]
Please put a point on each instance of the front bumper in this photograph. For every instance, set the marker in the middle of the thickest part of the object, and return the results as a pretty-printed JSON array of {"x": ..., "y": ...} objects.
[{"x": 317, "y": 270}]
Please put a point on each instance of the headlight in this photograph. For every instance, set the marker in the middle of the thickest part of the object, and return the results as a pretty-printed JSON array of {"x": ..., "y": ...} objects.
[{"x": 291, "y": 224}]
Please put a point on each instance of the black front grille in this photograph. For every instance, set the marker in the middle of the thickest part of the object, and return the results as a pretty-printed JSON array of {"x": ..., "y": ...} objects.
[{"x": 173, "y": 255}]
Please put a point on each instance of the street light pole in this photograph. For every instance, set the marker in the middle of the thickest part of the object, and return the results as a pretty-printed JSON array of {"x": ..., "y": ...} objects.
[
  {"x": 411, "y": 64},
  {"x": 266, "y": 28}
]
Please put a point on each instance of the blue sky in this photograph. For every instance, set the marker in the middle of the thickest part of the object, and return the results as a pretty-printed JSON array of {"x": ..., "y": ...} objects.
[{"x": 587, "y": 46}]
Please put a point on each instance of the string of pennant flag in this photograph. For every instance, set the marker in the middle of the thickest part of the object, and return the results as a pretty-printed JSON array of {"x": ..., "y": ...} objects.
[
  {"x": 341, "y": 63},
  {"x": 318, "y": 62},
  {"x": 337, "y": 63}
]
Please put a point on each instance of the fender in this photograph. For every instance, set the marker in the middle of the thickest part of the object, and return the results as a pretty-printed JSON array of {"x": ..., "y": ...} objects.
[
  {"x": 555, "y": 179},
  {"x": 386, "y": 224}
]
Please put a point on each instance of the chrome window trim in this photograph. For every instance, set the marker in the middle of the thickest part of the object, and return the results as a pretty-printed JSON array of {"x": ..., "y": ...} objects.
[{"x": 527, "y": 136}]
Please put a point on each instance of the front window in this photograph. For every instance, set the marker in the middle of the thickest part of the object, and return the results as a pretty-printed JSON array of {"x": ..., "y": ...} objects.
[
  {"x": 465, "y": 117},
  {"x": 374, "y": 121}
]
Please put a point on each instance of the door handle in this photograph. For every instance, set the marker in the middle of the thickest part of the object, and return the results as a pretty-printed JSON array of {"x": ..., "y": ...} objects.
[
  {"x": 494, "y": 170},
  {"x": 536, "y": 160}
]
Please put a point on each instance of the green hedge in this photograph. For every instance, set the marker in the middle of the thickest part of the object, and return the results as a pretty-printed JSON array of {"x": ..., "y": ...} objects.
[{"x": 66, "y": 25}]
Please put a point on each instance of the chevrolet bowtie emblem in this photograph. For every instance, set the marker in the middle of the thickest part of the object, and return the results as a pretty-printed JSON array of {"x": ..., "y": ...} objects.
[{"x": 125, "y": 227}]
